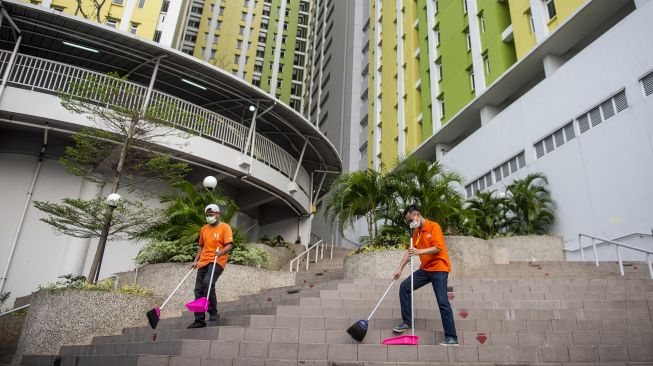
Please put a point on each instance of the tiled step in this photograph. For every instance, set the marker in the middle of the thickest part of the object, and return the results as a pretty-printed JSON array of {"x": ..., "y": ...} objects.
[{"x": 370, "y": 352}]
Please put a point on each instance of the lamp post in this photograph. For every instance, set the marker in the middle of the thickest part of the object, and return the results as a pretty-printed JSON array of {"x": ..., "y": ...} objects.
[{"x": 112, "y": 201}]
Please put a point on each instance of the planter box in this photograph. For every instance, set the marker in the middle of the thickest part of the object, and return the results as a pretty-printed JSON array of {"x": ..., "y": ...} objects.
[
  {"x": 72, "y": 317},
  {"x": 466, "y": 254}
]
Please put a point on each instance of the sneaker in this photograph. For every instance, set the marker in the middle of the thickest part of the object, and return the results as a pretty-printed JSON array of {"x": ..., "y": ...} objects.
[
  {"x": 196, "y": 324},
  {"x": 449, "y": 341},
  {"x": 214, "y": 318},
  {"x": 401, "y": 328}
]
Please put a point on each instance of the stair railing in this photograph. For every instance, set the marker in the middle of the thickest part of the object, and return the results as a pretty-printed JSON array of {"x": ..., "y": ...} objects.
[
  {"x": 14, "y": 310},
  {"x": 319, "y": 254},
  {"x": 648, "y": 253}
]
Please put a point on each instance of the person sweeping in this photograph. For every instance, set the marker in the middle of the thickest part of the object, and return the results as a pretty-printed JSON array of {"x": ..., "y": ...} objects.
[
  {"x": 435, "y": 266},
  {"x": 215, "y": 242}
]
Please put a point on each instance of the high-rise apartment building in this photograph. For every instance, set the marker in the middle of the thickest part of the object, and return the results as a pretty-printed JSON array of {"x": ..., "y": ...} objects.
[{"x": 430, "y": 58}]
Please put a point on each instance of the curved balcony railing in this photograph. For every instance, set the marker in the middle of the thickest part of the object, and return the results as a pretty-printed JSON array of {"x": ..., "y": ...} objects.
[{"x": 48, "y": 76}]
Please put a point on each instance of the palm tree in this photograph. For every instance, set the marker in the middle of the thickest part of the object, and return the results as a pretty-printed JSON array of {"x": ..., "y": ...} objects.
[
  {"x": 486, "y": 214},
  {"x": 358, "y": 194},
  {"x": 530, "y": 204},
  {"x": 430, "y": 186}
]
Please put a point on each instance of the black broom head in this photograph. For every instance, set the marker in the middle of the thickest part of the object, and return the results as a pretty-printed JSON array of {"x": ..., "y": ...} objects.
[
  {"x": 153, "y": 317},
  {"x": 358, "y": 330}
]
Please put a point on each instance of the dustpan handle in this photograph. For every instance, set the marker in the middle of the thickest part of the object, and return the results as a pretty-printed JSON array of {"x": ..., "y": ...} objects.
[
  {"x": 211, "y": 280},
  {"x": 177, "y": 288},
  {"x": 382, "y": 297}
]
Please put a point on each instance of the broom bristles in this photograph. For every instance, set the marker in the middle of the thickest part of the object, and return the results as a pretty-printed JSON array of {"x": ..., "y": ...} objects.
[{"x": 358, "y": 330}]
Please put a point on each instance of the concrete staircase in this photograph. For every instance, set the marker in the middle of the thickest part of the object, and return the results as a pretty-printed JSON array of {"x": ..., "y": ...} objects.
[
  {"x": 6, "y": 354},
  {"x": 561, "y": 313}
]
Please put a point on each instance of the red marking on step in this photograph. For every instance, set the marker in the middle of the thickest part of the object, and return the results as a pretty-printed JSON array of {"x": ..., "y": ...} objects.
[
  {"x": 546, "y": 274},
  {"x": 450, "y": 295},
  {"x": 304, "y": 281},
  {"x": 481, "y": 338},
  {"x": 311, "y": 285},
  {"x": 463, "y": 314},
  {"x": 269, "y": 299},
  {"x": 154, "y": 337},
  {"x": 635, "y": 267}
]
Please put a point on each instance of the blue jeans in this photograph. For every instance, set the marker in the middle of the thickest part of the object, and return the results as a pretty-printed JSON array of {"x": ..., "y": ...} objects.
[{"x": 439, "y": 282}]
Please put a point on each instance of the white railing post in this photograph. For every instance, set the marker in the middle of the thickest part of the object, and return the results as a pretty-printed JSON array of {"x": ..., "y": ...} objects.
[
  {"x": 621, "y": 265},
  {"x": 650, "y": 266},
  {"x": 10, "y": 64},
  {"x": 580, "y": 245},
  {"x": 331, "y": 257},
  {"x": 596, "y": 255}
]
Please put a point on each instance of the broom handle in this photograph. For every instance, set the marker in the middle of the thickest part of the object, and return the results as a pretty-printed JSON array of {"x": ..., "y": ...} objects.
[
  {"x": 382, "y": 297},
  {"x": 211, "y": 280},
  {"x": 177, "y": 288},
  {"x": 412, "y": 290}
]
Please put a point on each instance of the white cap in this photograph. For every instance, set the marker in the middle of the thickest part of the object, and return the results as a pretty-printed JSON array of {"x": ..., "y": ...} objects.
[{"x": 212, "y": 208}]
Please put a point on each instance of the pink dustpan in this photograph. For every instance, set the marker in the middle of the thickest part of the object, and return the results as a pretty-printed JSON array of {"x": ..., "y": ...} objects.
[
  {"x": 200, "y": 305},
  {"x": 409, "y": 340}
]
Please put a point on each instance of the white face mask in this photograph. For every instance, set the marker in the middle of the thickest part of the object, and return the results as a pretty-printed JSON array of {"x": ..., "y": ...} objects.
[
  {"x": 414, "y": 224},
  {"x": 211, "y": 220}
]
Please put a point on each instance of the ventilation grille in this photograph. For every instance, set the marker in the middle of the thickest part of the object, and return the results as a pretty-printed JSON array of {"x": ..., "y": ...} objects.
[
  {"x": 558, "y": 138},
  {"x": 647, "y": 84},
  {"x": 607, "y": 109},
  {"x": 502, "y": 171}
]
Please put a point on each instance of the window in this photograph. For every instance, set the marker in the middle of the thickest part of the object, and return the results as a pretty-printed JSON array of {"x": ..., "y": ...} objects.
[
  {"x": 239, "y": 44},
  {"x": 441, "y": 105},
  {"x": 157, "y": 36},
  {"x": 531, "y": 22},
  {"x": 246, "y": 3},
  {"x": 111, "y": 23},
  {"x": 242, "y": 30},
  {"x": 436, "y": 29},
  {"x": 279, "y": 84},
  {"x": 221, "y": 11},
  {"x": 196, "y": 10},
  {"x": 133, "y": 28},
  {"x": 141, "y": 4},
  {"x": 218, "y": 25},
  {"x": 464, "y": 6},
  {"x": 57, "y": 8},
  {"x": 435, "y": 6},
  {"x": 243, "y": 16},
  {"x": 471, "y": 79},
  {"x": 190, "y": 38},
  {"x": 550, "y": 8},
  {"x": 236, "y": 58},
  {"x": 193, "y": 24},
  {"x": 212, "y": 53},
  {"x": 481, "y": 20},
  {"x": 118, "y": 2},
  {"x": 438, "y": 66},
  {"x": 486, "y": 62},
  {"x": 468, "y": 38}
]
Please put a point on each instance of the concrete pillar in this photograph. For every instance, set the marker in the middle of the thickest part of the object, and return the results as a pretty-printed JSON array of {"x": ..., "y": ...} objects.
[
  {"x": 552, "y": 63},
  {"x": 441, "y": 150},
  {"x": 74, "y": 254},
  {"x": 304, "y": 229},
  {"x": 488, "y": 112}
]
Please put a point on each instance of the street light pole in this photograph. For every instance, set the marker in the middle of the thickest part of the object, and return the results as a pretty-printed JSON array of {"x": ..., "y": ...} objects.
[{"x": 112, "y": 201}]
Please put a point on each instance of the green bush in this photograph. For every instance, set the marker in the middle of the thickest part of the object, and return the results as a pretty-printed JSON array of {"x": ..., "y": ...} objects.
[
  {"x": 70, "y": 281},
  {"x": 164, "y": 251},
  {"x": 248, "y": 256}
]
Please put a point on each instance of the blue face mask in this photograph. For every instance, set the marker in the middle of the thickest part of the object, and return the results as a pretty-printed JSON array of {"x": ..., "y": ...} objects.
[{"x": 211, "y": 220}]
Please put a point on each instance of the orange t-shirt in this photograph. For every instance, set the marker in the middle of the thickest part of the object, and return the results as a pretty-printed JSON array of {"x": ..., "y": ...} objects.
[
  {"x": 430, "y": 235},
  {"x": 214, "y": 238}
]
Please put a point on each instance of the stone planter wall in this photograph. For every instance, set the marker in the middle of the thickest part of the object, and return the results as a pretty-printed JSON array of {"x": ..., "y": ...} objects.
[
  {"x": 466, "y": 254},
  {"x": 234, "y": 282},
  {"x": 280, "y": 256},
  {"x": 72, "y": 317}
]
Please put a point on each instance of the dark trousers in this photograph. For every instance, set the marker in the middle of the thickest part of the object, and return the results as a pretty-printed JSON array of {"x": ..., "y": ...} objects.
[
  {"x": 202, "y": 285},
  {"x": 439, "y": 282}
]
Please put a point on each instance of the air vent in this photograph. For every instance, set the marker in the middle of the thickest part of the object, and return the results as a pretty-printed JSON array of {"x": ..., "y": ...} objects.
[{"x": 647, "y": 84}]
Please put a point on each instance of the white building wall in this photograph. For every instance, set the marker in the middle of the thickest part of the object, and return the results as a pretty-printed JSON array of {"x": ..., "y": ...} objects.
[{"x": 601, "y": 180}]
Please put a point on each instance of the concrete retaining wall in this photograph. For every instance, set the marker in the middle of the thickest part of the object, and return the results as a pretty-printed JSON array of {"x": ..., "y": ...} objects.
[
  {"x": 72, "y": 317},
  {"x": 234, "y": 282},
  {"x": 466, "y": 254}
]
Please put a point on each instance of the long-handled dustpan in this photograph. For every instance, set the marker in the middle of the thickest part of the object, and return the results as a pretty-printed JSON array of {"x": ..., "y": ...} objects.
[
  {"x": 412, "y": 339},
  {"x": 201, "y": 305},
  {"x": 154, "y": 315},
  {"x": 358, "y": 330}
]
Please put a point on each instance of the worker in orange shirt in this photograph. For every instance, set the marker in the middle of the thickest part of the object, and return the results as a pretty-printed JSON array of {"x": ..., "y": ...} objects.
[
  {"x": 429, "y": 245},
  {"x": 216, "y": 240}
]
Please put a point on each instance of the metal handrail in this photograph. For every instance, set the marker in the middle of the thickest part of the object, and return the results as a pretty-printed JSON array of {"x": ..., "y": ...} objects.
[
  {"x": 649, "y": 253},
  {"x": 44, "y": 75},
  {"x": 319, "y": 254},
  {"x": 615, "y": 239},
  {"x": 14, "y": 310}
]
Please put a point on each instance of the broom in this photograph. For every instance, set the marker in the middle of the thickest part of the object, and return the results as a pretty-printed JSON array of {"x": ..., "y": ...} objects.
[
  {"x": 154, "y": 314},
  {"x": 358, "y": 330}
]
